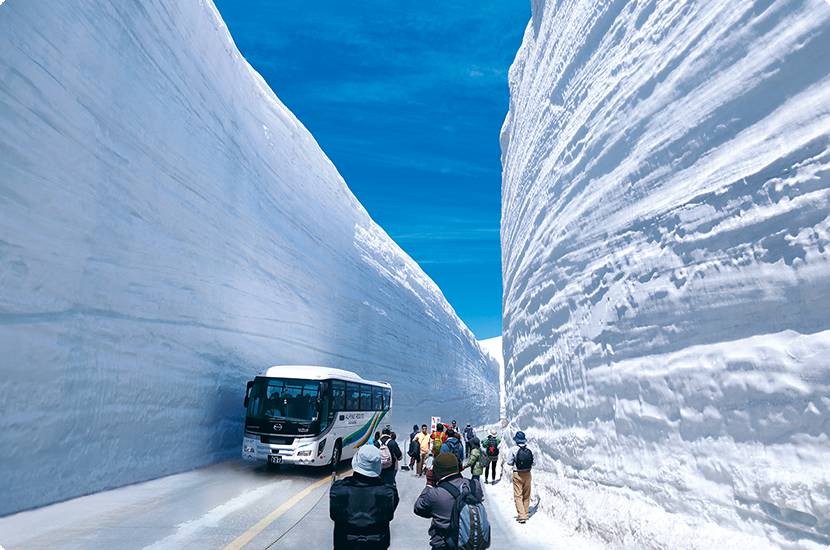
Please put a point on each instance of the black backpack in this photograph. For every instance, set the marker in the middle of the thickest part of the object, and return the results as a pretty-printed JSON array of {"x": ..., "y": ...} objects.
[{"x": 524, "y": 459}]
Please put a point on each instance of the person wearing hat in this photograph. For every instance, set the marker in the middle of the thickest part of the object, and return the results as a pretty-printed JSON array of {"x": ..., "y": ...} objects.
[
  {"x": 362, "y": 505},
  {"x": 436, "y": 503},
  {"x": 490, "y": 447},
  {"x": 521, "y": 458}
]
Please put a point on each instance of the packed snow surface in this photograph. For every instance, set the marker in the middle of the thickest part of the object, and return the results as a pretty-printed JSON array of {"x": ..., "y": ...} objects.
[
  {"x": 167, "y": 230},
  {"x": 666, "y": 257}
]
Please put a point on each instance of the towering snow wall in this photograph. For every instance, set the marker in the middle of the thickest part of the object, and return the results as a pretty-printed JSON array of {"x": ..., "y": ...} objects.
[
  {"x": 666, "y": 256},
  {"x": 168, "y": 229}
]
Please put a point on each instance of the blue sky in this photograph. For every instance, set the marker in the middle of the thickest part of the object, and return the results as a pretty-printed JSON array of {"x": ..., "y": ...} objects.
[{"x": 407, "y": 99}]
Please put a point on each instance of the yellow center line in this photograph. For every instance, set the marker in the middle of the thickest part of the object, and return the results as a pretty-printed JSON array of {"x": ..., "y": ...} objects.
[{"x": 262, "y": 524}]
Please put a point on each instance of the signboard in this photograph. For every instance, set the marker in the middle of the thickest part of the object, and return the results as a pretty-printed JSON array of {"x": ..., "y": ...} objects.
[{"x": 435, "y": 421}]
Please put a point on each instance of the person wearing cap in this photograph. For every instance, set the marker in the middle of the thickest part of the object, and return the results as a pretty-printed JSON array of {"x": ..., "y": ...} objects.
[
  {"x": 362, "y": 505},
  {"x": 389, "y": 471},
  {"x": 521, "y": 459},
  {"x": 490, "y": 447},
  {"x": 436, "y": 503}
]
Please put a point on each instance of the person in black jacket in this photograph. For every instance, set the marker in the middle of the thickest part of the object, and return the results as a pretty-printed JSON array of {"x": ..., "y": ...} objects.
[
  {"x": 412, "y": 449},
  {"x": 362, "y": 506},
  {"x": 436, "y": 503},
  {"x": 389, "y": 471}
]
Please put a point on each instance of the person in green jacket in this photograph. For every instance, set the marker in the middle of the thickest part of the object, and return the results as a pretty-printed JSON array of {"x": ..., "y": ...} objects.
[{"x": 475, "y": 460}]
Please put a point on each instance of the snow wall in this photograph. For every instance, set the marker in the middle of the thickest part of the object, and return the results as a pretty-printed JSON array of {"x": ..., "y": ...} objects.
[
  {"x": 167, "y": 230},
  {"x": 666, "y": 261}
]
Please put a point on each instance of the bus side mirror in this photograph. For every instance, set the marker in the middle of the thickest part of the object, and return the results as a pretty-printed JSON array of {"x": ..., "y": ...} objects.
[{"x": 247, "y": 393}]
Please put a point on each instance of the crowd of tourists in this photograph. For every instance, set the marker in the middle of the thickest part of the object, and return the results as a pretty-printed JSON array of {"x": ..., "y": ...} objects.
[{"x": 363, "y": 504}]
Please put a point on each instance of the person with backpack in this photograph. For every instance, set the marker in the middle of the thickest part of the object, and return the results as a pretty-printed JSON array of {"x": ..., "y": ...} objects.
[
  {"x": 438, "y": 438},
  {"x": 521, "y": 458},
  {"x": 491, "y": 455},
  {"x": 390, "y": 454},
  {"x": 455, "y": 506},
  {"x": 453, "y": 445},
  {"x": 469, "y": 434},
  {"x": 475, "y": 460},
  {"x": 362, "y": 505},
  {"x": 412, "y": 449}
]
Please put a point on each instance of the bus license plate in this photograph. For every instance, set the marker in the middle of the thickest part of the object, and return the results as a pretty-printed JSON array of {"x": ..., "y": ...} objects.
[{"x": 274, "y": 459}]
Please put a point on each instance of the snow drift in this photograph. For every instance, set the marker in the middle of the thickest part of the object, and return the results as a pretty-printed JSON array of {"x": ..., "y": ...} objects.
[
  {"x": 666, "y": 258},
  {"x": 168, "y": 229}
]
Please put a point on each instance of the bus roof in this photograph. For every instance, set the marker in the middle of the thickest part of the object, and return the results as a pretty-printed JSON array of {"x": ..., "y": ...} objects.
[{"x": 311, "y": 372}]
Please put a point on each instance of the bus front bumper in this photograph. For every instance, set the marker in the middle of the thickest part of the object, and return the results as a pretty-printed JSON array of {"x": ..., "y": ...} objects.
[{"x": 301, "y": 454}]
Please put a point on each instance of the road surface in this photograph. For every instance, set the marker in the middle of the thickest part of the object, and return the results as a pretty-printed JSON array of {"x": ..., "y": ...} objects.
[{"x": 230, "y": 505}]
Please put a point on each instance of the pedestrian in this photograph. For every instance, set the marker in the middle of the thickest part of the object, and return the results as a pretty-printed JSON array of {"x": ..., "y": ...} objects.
[
  {"x": 412, "y": 449},
  {"x": 475, "y": 460},
  {"x": 437, "y": 502},
  {"x": 376, "y": 439},
  {"x": 521, "y": 458},
  {"x": 362, "y": 505},
  {"x": 390, "y": 454},
  {"x": 438, "y": 438},
  {"x": 428, "y": 463},
  {"x": 469, "y": 434},
  {"x": 453, "y": 445},
  {"x": 424, "y": 442},
  {"x": 491, "y": 455}
]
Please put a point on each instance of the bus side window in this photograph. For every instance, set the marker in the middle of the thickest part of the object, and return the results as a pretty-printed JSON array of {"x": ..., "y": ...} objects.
[
  {"x": 387, "y": 399},
  {"x": 338, "y": 395},
  {"x": 352, "y": 397},
  {"x": 377, "y": 398},
  {"x": 365, "y": 397},
  {"x": 325, "y": 406}
]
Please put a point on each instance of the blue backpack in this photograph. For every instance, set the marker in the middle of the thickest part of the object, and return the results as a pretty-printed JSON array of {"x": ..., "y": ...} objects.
[
  {"x": 454, "y": 446},
  {"x": 469, "y": 526}
]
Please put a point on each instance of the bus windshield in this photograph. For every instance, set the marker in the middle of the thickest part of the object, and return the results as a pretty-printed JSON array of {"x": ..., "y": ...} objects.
[{"x": 284, "y": 398}]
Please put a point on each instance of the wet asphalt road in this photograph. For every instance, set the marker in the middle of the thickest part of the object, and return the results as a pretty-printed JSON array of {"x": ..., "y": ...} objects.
[{"x": 227, "y": 505}]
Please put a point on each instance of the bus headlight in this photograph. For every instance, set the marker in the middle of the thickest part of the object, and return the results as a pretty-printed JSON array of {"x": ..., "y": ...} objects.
[
  {"x": 304, "y": 453},
  {"x": 248, "y": 449},
  {"x": 321, "y": 446}
]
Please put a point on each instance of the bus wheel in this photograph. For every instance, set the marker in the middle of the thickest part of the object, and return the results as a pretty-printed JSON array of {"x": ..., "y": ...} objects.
[{"x": 336, "y": 454}]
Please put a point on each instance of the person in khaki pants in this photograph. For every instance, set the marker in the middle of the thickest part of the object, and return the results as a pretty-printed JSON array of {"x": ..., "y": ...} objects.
[
  {"x": 424, "y": 442},
  {"x": 521, "y": 459}
]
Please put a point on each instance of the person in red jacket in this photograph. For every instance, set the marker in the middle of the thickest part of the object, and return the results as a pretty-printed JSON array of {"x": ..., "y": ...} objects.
[{"x": 438, "y": 437}]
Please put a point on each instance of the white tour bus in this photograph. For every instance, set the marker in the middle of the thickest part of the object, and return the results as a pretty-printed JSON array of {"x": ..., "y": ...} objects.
[{"x": 316, "y": 416}]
